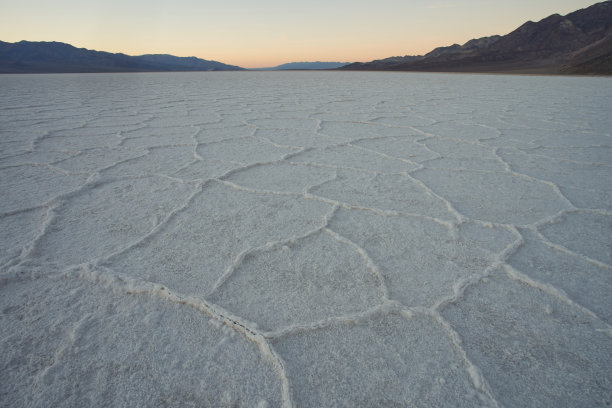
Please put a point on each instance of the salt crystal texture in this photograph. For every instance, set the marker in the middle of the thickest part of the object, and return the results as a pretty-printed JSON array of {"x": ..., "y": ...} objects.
[{"x": 324, "y": 239}]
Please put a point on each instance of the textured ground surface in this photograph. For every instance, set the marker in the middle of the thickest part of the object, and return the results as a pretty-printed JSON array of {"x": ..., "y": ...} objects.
[{"x": 305, "y": 239}]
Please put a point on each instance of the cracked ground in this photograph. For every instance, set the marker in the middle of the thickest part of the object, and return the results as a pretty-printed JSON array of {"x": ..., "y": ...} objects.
[{"x": 305, "y": 239}]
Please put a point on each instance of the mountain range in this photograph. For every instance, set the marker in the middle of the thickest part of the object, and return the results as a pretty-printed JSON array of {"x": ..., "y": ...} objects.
[
  {"x": 38, "y": 57},
  {"x": 578, "y": 43}
]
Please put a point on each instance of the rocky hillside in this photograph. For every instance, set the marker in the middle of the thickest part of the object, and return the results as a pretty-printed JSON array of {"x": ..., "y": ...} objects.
[{"x": 578, "y": 43}]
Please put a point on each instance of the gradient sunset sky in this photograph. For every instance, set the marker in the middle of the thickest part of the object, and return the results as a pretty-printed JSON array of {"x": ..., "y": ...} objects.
[{"x": 262, "y": 33}]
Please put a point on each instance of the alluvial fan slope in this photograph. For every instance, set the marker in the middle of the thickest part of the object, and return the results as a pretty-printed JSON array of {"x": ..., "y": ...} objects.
[{"x": 325, "y": 239}]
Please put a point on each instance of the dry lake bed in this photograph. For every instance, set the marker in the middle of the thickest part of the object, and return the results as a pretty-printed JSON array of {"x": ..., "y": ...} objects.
[{"x": 305, "y": 239}]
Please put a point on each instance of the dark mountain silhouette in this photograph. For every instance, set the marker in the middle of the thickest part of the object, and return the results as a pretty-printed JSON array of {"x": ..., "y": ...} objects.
[
  {"x": 383, "y": 63},
  {"x": 578, "y": 43},
  {"x": 304, "y": 65},
  {"x": 40, "y": 57}
]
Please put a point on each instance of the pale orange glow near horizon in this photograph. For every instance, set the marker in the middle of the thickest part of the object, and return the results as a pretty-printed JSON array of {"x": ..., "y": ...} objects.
[{"x": 270, "y": 32}]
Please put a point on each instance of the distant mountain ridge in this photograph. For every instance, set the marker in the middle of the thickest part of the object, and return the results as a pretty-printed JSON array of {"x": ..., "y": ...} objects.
[
  {"x": 578, "y": 43},
  {"x": 56, "y": 57},
  {"x": 305, "y": 65}
]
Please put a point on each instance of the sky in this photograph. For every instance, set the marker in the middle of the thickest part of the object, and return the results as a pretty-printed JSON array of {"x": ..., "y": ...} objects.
[{"x": 264, "y": 33}]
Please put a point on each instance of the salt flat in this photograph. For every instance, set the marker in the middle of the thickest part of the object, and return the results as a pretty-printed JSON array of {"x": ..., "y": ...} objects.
[{"x": 322, "y": 239}]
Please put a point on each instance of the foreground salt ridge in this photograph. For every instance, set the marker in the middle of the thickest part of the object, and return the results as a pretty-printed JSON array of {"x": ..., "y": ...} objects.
[{"x": 230, "y": 181}]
